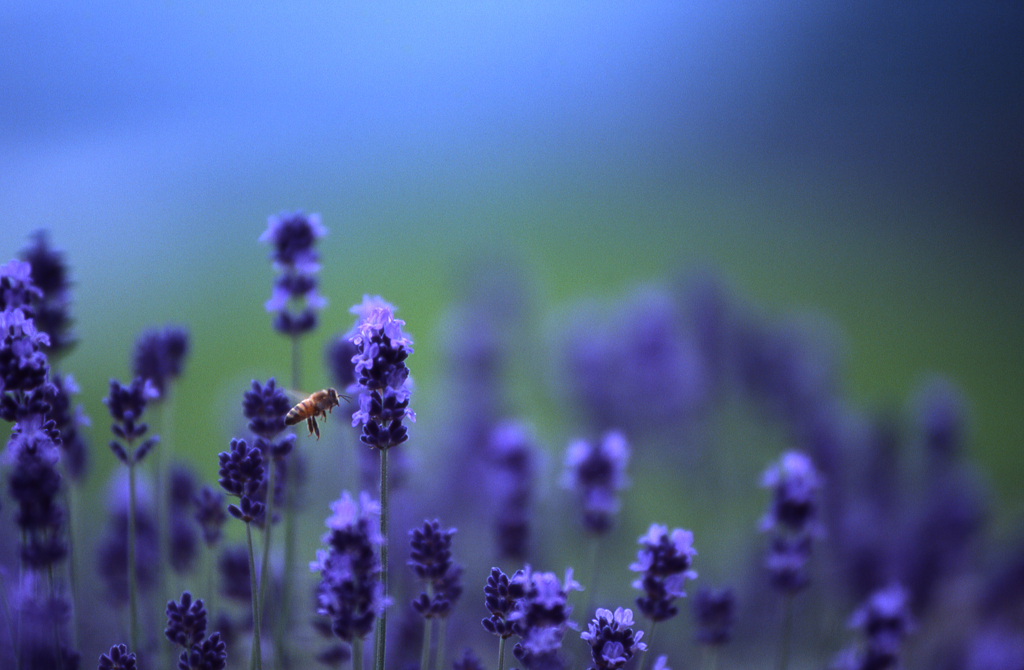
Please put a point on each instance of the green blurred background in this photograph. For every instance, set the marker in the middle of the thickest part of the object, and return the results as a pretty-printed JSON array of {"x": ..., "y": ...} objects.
[{"x": 860, "y": 164}]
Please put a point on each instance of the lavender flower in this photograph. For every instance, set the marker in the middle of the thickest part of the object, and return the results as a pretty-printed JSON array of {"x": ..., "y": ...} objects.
[
  {"x": 350, "y": 592},
  {"x": 541, "y": 615},
  {"x": 159, "y": 355},
  {"x": 23, "y": 366},
  {"x": 513, "y": 452},
  {"x": 885, "y": 621},
  {"x": 612, "y": 642},
  {"x": 339, "y": 355},
  {"x": 469, "y": 661},
  {"x": 235, "y": 580},
  {"x": 292, "y": 237},
  {"x": 664, "y": 562},
  {"x": 126, "y": 405},
  {"x": 186, "y": 627},
  {"x": 50, "y": 275},
  {"x": 500, "y": 597},
  {"x": 117, "y": 658},
  {"x": 112, "y": 550},
  {"x": 381, "y": 374},
  {"x": 715, "y": 612},
  {"x": 17, "y": 290},
  {"x": 241, "y": 473},
  {"x": 792, "y": 520},
  {"x": 67, "y": 422},
  {"x": 210, "y": 514},
  {"x": 598, "y": 472},
  {"x": 431, "y": 561}
]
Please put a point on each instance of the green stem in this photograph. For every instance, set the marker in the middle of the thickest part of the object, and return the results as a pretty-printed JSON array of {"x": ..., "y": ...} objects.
[
  {"x": 787, "y": 628},
  {"x": 71, "y": 497},
  {"x": 255, "y": 659},
  {"x": 382, "y": 623},
  {"x": 501, "y": 653},
  {"x": 595, "y": 543},
  {"x": 357, "y": 654},
  {"x": 442, "y": 628},
  {"x": 133, "y": 616},
  {"x": 425, "y": 650},
  {"x": 649, "y": 639},
  {"x": 268, "y": 523},
  {"x": 282, "y": 622}
]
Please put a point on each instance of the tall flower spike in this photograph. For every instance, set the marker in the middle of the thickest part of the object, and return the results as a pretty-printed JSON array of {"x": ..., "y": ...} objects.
[
  {"x": 664, "y": 562},
  {"x": 381, "y": 375},
  {"x": 350, "y": 592},
  {"x": 117, "y": 658},
  {"x": 792, "y": 520},
  {"x": 541, "y": 615},
  {"x": 431, "y": 561},
  {"x": 715, "y": 612},
  {"x": 598, "y": 472},
  {"x": 294, "y": 299}
]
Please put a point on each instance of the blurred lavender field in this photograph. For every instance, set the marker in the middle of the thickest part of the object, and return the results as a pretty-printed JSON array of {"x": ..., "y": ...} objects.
[{"x": 724, "y": 232}]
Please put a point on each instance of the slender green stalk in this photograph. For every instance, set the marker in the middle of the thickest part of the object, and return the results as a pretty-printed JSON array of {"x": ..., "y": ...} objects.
[
  {"x": 281, "y": 638},
  {"x": 255, "y": 659},
  {"x": 160, "y": 476},
  {"x": 357, "y": 654},
  {"x": 425, "y": 650},
  {"x": 380, "y": 635},
  {"x": 133, "y": 587},
  {"x": 787, "y": 629},
  {"x": 501, "y": 653},
  {"x": 710, "y": 657},
  {"x": 442, "y": 629},
  {"x": 649, "y": 640},
  {"x": 56, "y": 629},
  {"x": 70, "y": 499},
  {"x": 595, "y": 554},
  {"x": 268, "y": 523}
]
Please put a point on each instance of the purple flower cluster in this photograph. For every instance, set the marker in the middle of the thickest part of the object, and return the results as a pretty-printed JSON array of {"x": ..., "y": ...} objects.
[
  {"x": 381, "y": 375},
  {"x": 541, "y": 615},
  {"x": 514, "y": 457},
  {"x": 612, "y": 641},
  {"x": 51, "y": 309},
  {"x": 715, "y": 613},
  {"x": 791, "y": 519},
  {"x": 159, "y": 356},
  {"x": 350, "y": 592},
  {"x": 241, "y": 474},
  {"x": 664, "y": 564},
  {"x": 126, "y": 405},
  {"x": 186, "y": 628},
  {"x": 431, "y": 560},
  {"x": 885, "y": 621},
  {"x": 294, "y": 299},
  {"x": 598, "y": 472}
]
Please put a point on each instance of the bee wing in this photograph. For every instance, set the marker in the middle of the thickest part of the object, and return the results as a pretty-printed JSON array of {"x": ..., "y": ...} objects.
[{"x": 296, "y": 396}]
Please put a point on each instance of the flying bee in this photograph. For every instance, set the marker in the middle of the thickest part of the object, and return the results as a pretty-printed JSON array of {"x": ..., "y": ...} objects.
[{"x": 318, "y": 404}]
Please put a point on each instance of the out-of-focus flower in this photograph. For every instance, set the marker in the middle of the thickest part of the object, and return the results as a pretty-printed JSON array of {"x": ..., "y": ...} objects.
[
  {"x": 350, "y": 592},
  {"x": 541, "y": 615},
  {"x": 513, "y": 453},
  {"x": 431, "y": 561},
  {"x": 159, "y": 356},
  {"x": 51, "y": 310},
  {"x": 664, "y": 562},
  {"x": 294, "y": 298},
  {"x": 792, "y": 519},
  {"x": 715, "y": 612},
  {"x": 597, "y": 472}
]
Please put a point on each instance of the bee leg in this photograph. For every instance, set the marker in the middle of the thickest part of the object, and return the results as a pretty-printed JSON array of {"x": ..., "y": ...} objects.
[
  {"x": 310, "y": 424},
  {"x": 316, "y": 428}
]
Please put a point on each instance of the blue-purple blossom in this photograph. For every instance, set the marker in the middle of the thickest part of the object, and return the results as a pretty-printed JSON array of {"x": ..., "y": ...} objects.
[
  {"x": 112, "y": 549},
  {"x": 117, "y": 658},
  {"x": 126, "y": 405},
  {"x": 186, "y": 627},
  {"x": 381, "y": 375},
  {"x": 715, "y": 612},
  {"x": 885, "y": 621},
  {"x": 500, "y": 597},
  {"x": 664, "y": 563},
  {"x": 17, "y": 290},
  {"x": 241, "y": 474},
  {"x": 23, "y": 366},
  {"x": 541, "y": 615},
  {"x": 597, "y": 472},
  {"x": 350, "y": 592},
  {"x": 611, "y": 639},
  {"x": 51, "y": 310},
  {"x": 792, "y": 520},
  {"x": 431, "y": 560},
  {"x": 294, "y": 298},
  {"x": 159, "y": 356},
  {"x": 513, "y": 453},
  {"x": 210, "y": 514},
  {"x": 266, "y": 406}
]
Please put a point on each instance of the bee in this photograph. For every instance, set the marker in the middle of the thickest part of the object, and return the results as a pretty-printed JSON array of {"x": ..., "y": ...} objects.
[{"x": 318, "y": 404}]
